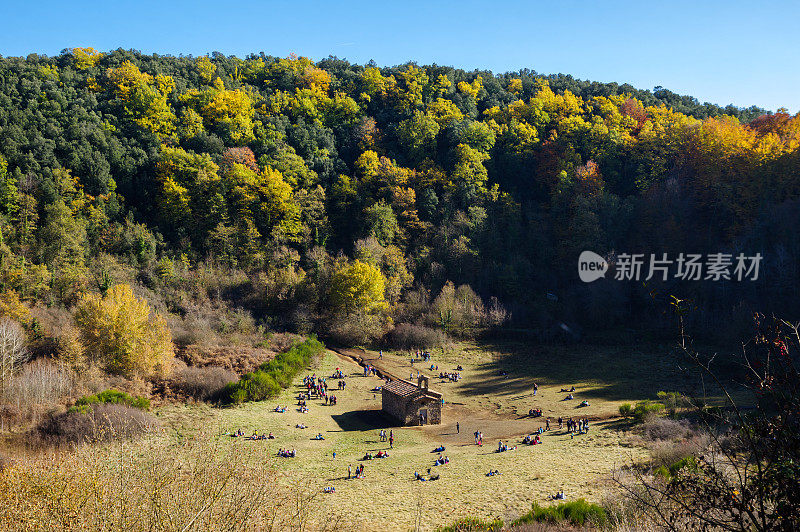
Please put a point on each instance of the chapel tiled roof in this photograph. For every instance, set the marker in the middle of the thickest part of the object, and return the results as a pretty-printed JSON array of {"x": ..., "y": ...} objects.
[{"x": 401, "y": 388}]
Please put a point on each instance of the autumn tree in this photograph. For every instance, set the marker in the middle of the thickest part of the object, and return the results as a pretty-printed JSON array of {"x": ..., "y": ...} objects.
[
  {"x": 123, "y": 334},
  {"x": 357, "y": 287},
  {"x": 144, "y": 98}
]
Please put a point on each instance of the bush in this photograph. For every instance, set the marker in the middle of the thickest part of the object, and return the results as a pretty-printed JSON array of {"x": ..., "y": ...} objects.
[
  {"x": 202, "y": 384},
  {"x": 473, "y": 524},
  {"x": 358, "y": 328},
  {"x": 647, "y": 409},
  {"x": 271, "y": 376},
  {"x": 112, "y": 397},
  {"x": 659, "y": 429},
  {"x": 625, "y": 410},
  {"x": 34, "y": 390},
  {"x": 577, "y": 512},
  {"x": 668, "y": 472},
  {"x": 101, "y": 422},
  {"x": 238, "y": 359},
  {"x": 672, "y": 401},
  {"x": 409, "y": 336}
]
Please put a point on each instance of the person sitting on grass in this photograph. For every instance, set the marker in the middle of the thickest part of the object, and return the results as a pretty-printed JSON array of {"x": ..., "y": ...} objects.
[
  {"x": 492, "y": 473},
  {"x": 300, "y": 426},
  {"x": 330, "y": 489},
  {"x": 439, "y": 449},
  {"x": 570, "y": 397},
  {"x": 584, "y": 403},
  {"x": 319, "y": 437},
  {"x": 367, "y": 456},
  {"x": 381, "y": 454}
]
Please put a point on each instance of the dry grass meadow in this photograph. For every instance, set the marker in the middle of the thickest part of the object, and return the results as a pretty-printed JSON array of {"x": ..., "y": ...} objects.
[
  {"x": 189, "y": 474},
  {"x": 484, "y": 399}
]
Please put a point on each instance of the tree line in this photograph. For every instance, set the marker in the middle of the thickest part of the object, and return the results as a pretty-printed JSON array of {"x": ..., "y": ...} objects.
[{"x": 345, "y": 198}]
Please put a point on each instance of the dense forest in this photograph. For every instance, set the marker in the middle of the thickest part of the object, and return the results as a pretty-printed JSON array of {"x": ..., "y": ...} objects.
[{"x": 357, "y": 201}]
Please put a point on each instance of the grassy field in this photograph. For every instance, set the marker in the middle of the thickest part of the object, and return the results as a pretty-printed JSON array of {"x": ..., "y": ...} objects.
[{"x": 493, "y": 396}]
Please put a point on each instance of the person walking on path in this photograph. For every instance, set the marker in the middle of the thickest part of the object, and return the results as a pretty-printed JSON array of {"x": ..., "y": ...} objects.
[
  {"x": 458, "y": 428},
  {"x": 391, "y": 439}
]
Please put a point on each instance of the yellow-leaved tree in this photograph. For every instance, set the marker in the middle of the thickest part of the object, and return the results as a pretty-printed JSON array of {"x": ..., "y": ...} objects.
[
  {"x": 123, "y": 334},
  {"x": 357, "y": 287}
]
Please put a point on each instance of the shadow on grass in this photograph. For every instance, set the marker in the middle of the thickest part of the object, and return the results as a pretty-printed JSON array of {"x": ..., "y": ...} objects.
[
  {"x": 599, "y": 372},
  {"x": 364, "y": 420}
]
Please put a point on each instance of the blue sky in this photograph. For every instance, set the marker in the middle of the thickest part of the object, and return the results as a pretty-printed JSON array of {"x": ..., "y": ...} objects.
[{"x": 719, "y": 51}]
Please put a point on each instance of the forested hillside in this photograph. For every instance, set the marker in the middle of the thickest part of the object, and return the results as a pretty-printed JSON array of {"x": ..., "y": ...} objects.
[{"x": 348, "y": 199}]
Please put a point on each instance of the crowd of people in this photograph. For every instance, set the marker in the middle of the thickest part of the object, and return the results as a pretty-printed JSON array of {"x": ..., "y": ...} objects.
[
  {"x": 359, "y": 473},
  {"x": 581, "y": 426},
  {"x": 286, "y": 453},
  {"x": 503, "y": 447},
  {"x": 441, "y": 460},
  {"x": 255, "y": 436},
  {"x": 452, "y": 376},
  {"x": 379, "y": 454}
]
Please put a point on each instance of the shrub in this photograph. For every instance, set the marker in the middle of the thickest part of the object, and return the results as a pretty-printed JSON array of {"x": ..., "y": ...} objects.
[
  {"x": 409, "y": 336},
  {"x": 40, "y": 385},
  {"x": 667, "y": 452},
  {"x": 239, "y": 359},
  {"x": 625, "y": 410},
  {"x": 273, "y": 375},
  {"x": 101, "y": 422},
  {"x": 473, "y": 524},
  {"x": 357, "y": 328},
  {"x": 578, "y": 512},
  {"x": 659, "y": 428},
  {"x": 672, "y": 401},
  {"x": 112, "y": 397},
  {"x": 646, "y": 409},
  {"x": 202, "y": 383},
  {"x": 668, "y": 472}
]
